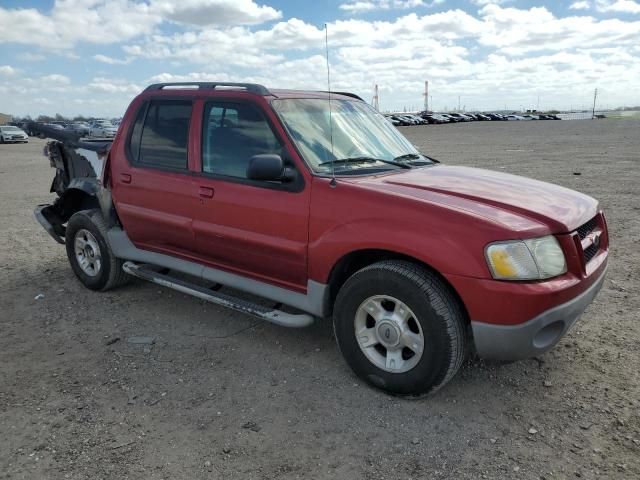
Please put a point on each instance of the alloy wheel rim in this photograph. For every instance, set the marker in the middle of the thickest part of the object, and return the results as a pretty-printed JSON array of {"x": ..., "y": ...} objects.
[
  {"x": 87, "y": 252},
  {"x": 389, "y": 334}
]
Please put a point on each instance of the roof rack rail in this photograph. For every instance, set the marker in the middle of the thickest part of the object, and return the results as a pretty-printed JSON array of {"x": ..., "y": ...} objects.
[
  {"x": 346, "y": 94},
  {"x": 249, "y": 87}
]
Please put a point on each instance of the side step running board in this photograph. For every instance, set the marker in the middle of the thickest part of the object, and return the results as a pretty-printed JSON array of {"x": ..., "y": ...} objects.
[{"x": 146, "y": 272}]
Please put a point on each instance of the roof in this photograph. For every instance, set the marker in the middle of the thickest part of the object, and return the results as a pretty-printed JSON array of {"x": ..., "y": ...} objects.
[
  {"x": 248, "y": 87},
  {"x": 283, "y": 93}
]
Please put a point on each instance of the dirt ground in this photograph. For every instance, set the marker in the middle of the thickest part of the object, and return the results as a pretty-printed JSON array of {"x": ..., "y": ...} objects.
[{"x": 222, "y": 395}]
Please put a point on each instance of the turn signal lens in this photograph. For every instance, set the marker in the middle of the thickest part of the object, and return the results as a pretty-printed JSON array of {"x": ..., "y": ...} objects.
[{"x": 534, "y": 259}]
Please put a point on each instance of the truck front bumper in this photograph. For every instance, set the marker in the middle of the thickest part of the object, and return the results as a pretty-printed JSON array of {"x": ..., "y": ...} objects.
[{"x": 536, "y": 336}]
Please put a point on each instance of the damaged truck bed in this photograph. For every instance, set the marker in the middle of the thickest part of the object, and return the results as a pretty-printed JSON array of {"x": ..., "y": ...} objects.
[{"x": 79, "y": 166}]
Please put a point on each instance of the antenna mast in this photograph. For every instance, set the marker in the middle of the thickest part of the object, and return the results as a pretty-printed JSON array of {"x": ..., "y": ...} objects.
[
  {"x": 326, "y": 47},
  {"x": 375, "y": 101}
]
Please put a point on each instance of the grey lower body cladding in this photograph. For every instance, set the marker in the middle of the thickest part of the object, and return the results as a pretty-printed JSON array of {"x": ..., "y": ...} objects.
[
  {"x": 315, "y": 301},
  {"x": 538, "y": 335}
]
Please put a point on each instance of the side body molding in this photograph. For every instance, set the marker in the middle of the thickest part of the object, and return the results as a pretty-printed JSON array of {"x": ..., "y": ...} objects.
[{"x": 315, "y": 301}]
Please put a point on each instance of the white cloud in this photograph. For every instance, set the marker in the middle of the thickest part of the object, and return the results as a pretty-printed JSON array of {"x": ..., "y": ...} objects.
[
  {"x": 23, "y": 88},
  {"x": 517, "y": 32},
  {"x": 55, "y": 79},
  {"x": 482, "y": 3},
  {"x": 111, "y": 21},
  {"x": 74, "y": 21},
  {"x": 110, "y": 60},
  {"x": 7, "y": 71},
  {"x": 580, "y": 5},
  {"x": 32, "y": 57},
  {"x": 357, "y": 6},
  {"x": 190, "y": 77},
  {"x": 109, "y": 85},
  {"x": 618, "y": 6},
  {"x": 216, "y": 12},
  {"x": 42, "y": 101},
  {"x": 244, "y": 48}
]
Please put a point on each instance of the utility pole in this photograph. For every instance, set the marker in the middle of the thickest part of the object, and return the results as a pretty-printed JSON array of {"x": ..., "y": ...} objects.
[
  {"x": 458, "y": 103},
  {"x": 593, "y": 112},
  {"x": 375, "y": 100},
  {"x": 426, "y": 96}
]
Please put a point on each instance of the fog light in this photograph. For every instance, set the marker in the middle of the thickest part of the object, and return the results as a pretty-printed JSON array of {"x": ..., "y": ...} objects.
[{"x": 549, "y": 335}]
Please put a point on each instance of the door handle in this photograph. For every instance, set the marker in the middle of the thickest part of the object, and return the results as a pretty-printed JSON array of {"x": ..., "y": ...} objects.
[
  {"x": 205, "y": 192},
  {"x": 125, "y": 178}
]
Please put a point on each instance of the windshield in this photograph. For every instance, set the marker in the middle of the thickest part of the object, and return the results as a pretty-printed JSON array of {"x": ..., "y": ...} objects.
[
  {"x": 358, "y": 132},
  {"x": 10, "y": 129}
]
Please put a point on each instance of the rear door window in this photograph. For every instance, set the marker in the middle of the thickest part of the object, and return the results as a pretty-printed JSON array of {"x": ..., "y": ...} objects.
[{"x": 161, "y": 141}]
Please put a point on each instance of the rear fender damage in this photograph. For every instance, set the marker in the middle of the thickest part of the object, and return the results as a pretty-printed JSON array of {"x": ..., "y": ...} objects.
[{"x": 79, "y": 167}]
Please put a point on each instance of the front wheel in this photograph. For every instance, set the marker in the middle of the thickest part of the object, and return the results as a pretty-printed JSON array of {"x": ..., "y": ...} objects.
[
  {"x": 400, "y": 327},
  {"x": 89, "y": 252}
]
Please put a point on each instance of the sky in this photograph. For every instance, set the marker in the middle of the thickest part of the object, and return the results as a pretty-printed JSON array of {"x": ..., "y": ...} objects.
[{"x": 92, "y": 57}]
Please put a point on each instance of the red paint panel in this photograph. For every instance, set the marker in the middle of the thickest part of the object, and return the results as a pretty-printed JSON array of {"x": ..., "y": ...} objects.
[{"x": 254, "y": 229}]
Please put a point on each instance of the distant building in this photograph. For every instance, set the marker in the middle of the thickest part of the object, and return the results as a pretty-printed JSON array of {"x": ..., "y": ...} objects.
[{"x": 4, "y": 118}]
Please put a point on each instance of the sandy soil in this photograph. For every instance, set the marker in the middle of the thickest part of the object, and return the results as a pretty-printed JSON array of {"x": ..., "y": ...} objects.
[{"x": 222, "y": 395}]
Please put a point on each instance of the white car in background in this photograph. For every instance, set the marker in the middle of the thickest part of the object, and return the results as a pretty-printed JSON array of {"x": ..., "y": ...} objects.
[
  {"x": 514, "y": 117},
  {"x": 9, "y": 133},
  {"x": 102, "y": 129}
]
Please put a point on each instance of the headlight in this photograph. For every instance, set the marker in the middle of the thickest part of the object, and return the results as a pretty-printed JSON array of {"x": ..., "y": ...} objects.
[{"x": 534, "y": 259}]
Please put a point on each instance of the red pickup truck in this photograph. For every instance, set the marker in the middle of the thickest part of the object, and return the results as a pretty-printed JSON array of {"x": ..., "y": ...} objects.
[{"x": 314, "y": 202}]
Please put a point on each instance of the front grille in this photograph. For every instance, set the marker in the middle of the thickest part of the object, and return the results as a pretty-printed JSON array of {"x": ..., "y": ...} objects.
[
  {"x": 590, "y": 252},
  {"x": 587, "y": 228},
  {"x": 582, "y": 232}
]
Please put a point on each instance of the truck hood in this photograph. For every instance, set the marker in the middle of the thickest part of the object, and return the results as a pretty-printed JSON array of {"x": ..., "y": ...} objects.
[{"x": 559, "y": 208}]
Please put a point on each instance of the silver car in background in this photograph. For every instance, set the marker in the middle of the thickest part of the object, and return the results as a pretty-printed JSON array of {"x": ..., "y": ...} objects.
[
  {"x": 102, "y": 129},
  {"x": 9, "y": 133}
]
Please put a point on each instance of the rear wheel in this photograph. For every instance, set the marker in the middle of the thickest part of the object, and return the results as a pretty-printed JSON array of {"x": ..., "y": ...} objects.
[
  {"x": 89, "y": 252},
  {"x": 400, "y": 327}
]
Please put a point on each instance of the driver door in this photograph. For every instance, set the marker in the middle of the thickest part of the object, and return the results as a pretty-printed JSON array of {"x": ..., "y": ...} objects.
[{"x": 255, "y": 228}]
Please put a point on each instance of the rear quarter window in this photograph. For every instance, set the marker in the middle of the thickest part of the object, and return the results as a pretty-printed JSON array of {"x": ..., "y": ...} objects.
[{"x": 160, "y": 135}]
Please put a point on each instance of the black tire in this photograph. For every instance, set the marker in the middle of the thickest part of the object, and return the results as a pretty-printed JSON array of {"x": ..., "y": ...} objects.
[
  {"x": 439, "y": 313},
  {"x": 110, "y": 273}
]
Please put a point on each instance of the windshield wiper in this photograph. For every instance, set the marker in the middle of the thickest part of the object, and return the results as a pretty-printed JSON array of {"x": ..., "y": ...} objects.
[
  {"x": 365, "y": 160},
  {"x": 416, "y": 159}
]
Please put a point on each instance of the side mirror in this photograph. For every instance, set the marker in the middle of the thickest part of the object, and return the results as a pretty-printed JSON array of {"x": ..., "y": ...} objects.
[{"x": 268, "y": 167}]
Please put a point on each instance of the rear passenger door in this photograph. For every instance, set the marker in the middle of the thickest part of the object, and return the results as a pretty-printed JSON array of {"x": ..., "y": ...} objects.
[
  {"x": 255, "y": 228},
  {"x": 153, "y": 190}
]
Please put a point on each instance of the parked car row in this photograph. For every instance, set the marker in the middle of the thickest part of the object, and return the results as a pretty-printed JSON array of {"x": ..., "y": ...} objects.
[
  {"x": 424, "y": 118},
  {"x": 100, "y": 128}
]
